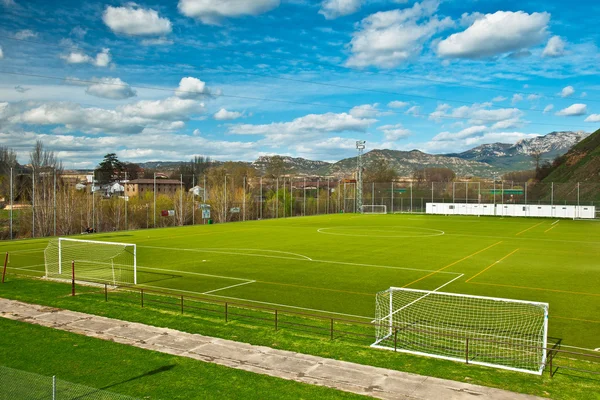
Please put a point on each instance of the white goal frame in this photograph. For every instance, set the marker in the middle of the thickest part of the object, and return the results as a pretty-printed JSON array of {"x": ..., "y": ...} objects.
[
  {"x": 365, "y": 207},
  {"x": 423, "y": 333},
  {"x": 60, "y": 240}
]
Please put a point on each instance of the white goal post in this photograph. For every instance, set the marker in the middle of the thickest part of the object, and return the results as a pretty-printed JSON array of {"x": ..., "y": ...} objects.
[
  {"x": 373, "y": 209},
  {"x": 501, "y": 333},
  {"x": 94, "y": 260}
]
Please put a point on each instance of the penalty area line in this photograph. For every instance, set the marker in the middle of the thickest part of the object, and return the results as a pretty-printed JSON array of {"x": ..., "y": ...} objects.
[{"x": 228, "y": 287}]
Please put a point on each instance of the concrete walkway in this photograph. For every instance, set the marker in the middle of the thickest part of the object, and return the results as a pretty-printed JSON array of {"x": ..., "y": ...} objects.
[{"x": 371, "y": 381}]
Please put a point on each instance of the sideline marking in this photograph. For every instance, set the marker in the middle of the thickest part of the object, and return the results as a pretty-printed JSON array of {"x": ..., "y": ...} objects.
[
  {"x": 227, "y": 287},
  {"x": 555, "y": 222},
  {"x": 451, "y": 264},
  {"x": 577, "y": 319},
  {"x": 491, "y": 265},
  {"x": 216, "y": 250},
  {"x": 552, "y": 227},
  {"x": 391, "y": 234},
  {"x": 175, "y": 271},
  {"x": 534, "y": 288},
  {"x": 523, "y": 231}
]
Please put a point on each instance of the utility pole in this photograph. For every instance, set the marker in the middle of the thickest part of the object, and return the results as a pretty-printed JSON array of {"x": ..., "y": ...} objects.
[{"x": 360, "y": 147}]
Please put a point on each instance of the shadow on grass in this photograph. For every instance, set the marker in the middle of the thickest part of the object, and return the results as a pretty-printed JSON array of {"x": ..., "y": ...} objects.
[{"x": 159, "y": 370}]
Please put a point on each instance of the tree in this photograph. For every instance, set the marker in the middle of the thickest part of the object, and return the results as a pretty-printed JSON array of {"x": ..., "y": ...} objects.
[
  {"x": 110, "y": 169},
  {"x": 434, "y": 175},
  {"x": 381, "y": 171},
  {"x": 132, "y": 170},
  {"x": 8, "y": 160},
  {"x": 536, "y": 156},
  {"x": 191, "y": 172}
]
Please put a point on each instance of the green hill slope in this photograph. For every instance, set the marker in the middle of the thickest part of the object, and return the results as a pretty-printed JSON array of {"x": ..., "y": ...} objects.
[{"x": 580, "y": 164}]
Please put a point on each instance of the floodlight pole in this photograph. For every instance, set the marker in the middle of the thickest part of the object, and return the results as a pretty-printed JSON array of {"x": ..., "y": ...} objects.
[
  {"x": 244, "y": 200},
  {"x": 578, "y": 193},
  {"x": 11, "y": 204},
  {"x": 180, "y": 199},
  {"x": 304, "y": 201},
  {"x": 360, "y": 147},
  {"x": 154, "y": 226},
  {"x": 261, "y": 199},
  {"x": 193, "y": 199},
  {"x": 225, "y": 205},
  {"x": 54, "y": 201},
  {"x": 328, "y": 194},
  {"x": 277, "y": 192},
  {"x": 33, "y": 204},
  {"x": 318, "y": 187},
  {"x": 126, "y": 198},
  {"x": 284, "y": 199}
]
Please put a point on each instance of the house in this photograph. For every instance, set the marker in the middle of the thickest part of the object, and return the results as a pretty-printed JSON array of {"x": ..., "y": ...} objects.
[{"x": 139, "y": 187}]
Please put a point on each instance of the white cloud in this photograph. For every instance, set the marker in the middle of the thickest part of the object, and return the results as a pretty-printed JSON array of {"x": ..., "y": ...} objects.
[
  {"x": 573, "y": 110},
  {"x": 477, "y": 114},
  {"x": 135, "y": 21},
  {"x": 157, "y": 42},
  {"x": 414, "y": 110},
  {"x": 534, "y": 97},
  {"x": 516, "y": 98},
  {"x": 464, "y": 140},
  {"x": 465, "y": 133},
  {"x": 1, "y": 53},
  {"x": 583, "y": 95},
  {"x": 192, "y": 88},
  {"x": 555, "y": 47},
  {"x": 365, "y": 111},
  {"x": 111, "y": 88},
  {"x": 394, "y": 132},
  {"x": 593, "y": 118},
  {"x": 548, "y": 108},
  {"x": 397, "y": 104},
  {"x": 567, "y": 91},
  {"x": 25, "y": 34},
  {"x": 312, "y": 125},
  {"x": 9, "y": 3},
  {"x": 102, "y": 59},
  {"x": 171, "y": 108},
  {"x": 213, "y": 11},
  {"x": 79, "y": 32},
  {"x": 224, "y": 115},
  {"x": 498, "y": 99},
  {"x": 332, "y": 9},
  {"x": 388, "y": 38},
  {"x": 497, "y": 33}
]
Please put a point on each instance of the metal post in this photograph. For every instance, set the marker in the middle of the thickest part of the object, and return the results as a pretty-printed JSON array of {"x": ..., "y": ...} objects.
[
  {"x": 180, "y": 199},
  {"x": 126, "y": 198},
  {"x": 432, "y": 192},
  {"x": 54, "y": 201},
  {"x": 525, "y": 192},
  {"x": 105, "y": 292},
  {"x": 277, "y": 194},
  {"x": 411, "y": 198},
  {"x": 225, "y": 205},
  {"x": 147, "y": 215},
  {"x": 261, "y": 199},
  {"x": 193, "y": 199},
  {"x": 181, "y": 304},
  {"x": 552, "y": 195},
  {"x": 453, "y": 192},
  {"x": 5, "y": 264},
  {"x": 73, "y": 278},
  {"x": 304, "y": 207},
  {"x": 392, "y": 205},
  {"x": 494, "y": 190},
  {"x": 502, "y": 191},
  {"x": 53, "y": 387},
  {"x": 395, "y": 339},
  {"x": 226, "y": 312},
  {"x": 328, "y": 194},
  {"x": 33, "y": 204},
  {"x": 244, "y": 201},
  {"x": 318, "y": 188},
  {"x": 142, "y": 297},
  {"x": 331, "y": 328},
  {"x": 154, "y": 225},
  {"x": 284, "y": 198},
  {"x": 466, "y": 192},
  {"x": 11, "y": 203},
  {"x": 467, "y": 350},
  {"x": 372, "y": 194},
  {"x": 577, "y": 193},
  {"x": 275, "y": 319}
]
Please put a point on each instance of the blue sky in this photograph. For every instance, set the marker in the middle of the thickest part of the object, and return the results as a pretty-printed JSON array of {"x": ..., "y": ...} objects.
[{"x": 235, "y": 79}]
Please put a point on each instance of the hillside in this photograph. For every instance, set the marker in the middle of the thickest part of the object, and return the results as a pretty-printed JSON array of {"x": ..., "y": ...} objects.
[
  {"x": 405, "y": 162},
  {"x": 580, "y": 164}
]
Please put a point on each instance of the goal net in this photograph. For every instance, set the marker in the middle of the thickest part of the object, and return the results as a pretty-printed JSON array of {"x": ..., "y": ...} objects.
[
  {"x": 95, "y": 261},
  {"x": 370, "y": 209},
  {"x": 502, "y": 333}
]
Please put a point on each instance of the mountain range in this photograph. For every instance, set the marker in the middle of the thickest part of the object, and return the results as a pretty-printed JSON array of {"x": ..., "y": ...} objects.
[{"x": 485, "y": 161}]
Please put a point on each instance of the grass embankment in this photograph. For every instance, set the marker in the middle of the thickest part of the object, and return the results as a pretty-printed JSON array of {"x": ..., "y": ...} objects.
[
  {"x": 564, "y": 385},
  {"x": 137, "y": 372}
]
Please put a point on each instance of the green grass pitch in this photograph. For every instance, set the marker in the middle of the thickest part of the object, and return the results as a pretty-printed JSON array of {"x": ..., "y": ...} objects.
[{"x": 335, "y": 264}]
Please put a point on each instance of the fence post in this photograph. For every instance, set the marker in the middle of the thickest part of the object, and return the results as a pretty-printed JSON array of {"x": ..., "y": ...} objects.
[
  {"x": 5, "y": 263},
  {"x": 395, "y": 339},
  {"x": 467, "y": 350},
  {"x": 53, "y": 387},
  {"x": 275, "y": 319},
  {"x": 73, "y": 278},
  {"x": 105, "y": 292},
  {"x": 331, "y": 328},
  {"x": 181, "y": 304},
  {"x": 226, "y": 316},
  {"x": 142, "y": 297}
]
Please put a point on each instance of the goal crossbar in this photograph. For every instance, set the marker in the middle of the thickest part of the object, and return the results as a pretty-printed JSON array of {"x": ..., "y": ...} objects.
[
  {"x": 498, "y": 332},
  {"x": 373, "y": 209}
]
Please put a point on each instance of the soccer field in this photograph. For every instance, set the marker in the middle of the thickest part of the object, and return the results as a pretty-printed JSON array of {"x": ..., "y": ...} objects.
[{"x": 335, "y": 264}]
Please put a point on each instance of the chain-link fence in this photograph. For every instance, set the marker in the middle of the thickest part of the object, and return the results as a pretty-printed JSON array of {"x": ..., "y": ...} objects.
[
  {"x": 58, "y": 209},
  {"x": 21, "y": 385}
]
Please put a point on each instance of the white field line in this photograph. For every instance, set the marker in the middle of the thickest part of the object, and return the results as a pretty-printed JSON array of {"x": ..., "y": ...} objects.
[
  {"x": 439, "y": 233},
  {"x": 556, "y": 222},
  {"x": 192, "y": 273},
  {"x": 28, "y": 267},
  {"x": 384, "y": 266},
  {"x": 228, "y": 287},
  {"x": 25, "y": 269},
  {"x": 298, "y": 256},
  {"x": 25, "y": 251},
  {"x": 520, "y": 238}
]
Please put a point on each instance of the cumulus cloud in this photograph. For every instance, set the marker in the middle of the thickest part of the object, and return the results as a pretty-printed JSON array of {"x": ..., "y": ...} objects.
[
  {"x": 397, "y": 104},
  {"x": 394, "y": 132},
  {"x": 212, "y": 12},
  {"x": 171, "y": 108},
  {"x": 365, "y": 111},
  {"x": 25, "y": 34},
  {"x": 102, "y": 59},
  {"x": 498, "y": 33},
  {"x": 135, "y": 21},
  {"x": 157, "y": 42},
  {"x": 332, "y": 9},
  {"x": 534, "y": 97},
  {"x": 573, "y": 110},
  {"x": 309, "y": 125},
  {"x": 516, "y": 98},
  {"x": 567, "y": 91},
  {"x": 555, "y": 47},
  {"x": 593, "y": 118},
  {"x": 111, "y": 88},
  {"x": 79, "y": 32},
  {"x": 548, "y": 108},
  {"x": 192, "y": 88},
  {"x": 388, "y": 38},
  {"x": 224, "y": 115},
  {"x": 414, "y": 111},
  {"x": 476, "y": 114},
  {"x": 498, "y": 99}
]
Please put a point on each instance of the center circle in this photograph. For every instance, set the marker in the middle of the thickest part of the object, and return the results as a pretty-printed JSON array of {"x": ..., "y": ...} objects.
[{"x": 381, "y": 231}]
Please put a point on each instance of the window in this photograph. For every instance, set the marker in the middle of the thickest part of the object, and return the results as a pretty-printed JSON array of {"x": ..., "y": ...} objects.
[{"x": 451, "y": 207}]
